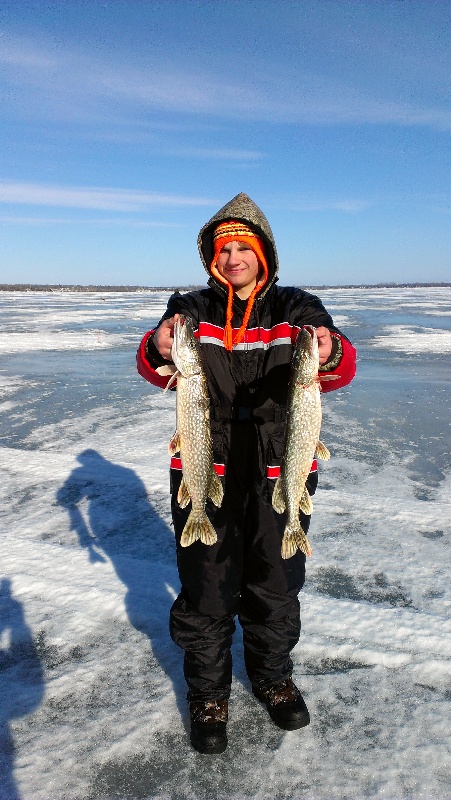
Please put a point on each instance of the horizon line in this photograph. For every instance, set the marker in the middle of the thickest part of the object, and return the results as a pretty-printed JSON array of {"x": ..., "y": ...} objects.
[{"x": 39, "y": 287}]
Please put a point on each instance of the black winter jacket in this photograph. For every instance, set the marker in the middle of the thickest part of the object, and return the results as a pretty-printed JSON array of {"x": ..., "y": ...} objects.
[{"x": 250, "y": 384}]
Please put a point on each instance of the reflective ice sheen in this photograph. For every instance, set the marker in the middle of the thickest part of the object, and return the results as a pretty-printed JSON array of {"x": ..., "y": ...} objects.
[{"x": 91, "y": 688}]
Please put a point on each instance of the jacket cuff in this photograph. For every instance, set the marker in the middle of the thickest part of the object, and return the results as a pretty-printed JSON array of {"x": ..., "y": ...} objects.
[
  {"x": 146, "y": 369},
  {"x": 335, "y": 356}
]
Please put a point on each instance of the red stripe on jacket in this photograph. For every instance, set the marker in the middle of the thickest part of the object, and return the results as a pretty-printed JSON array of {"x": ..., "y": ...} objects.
[
  {"x": 277, "y": 334},
  {"x": 271, "y": 472},
  {"x": 345, "y": 370}
]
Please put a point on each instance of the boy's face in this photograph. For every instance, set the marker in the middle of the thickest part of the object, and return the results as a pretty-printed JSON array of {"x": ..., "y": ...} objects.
[{"x": 238, "y": 263}]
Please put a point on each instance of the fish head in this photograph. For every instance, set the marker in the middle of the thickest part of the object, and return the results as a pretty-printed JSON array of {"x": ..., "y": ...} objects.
[
  {"x": 305, "y": 362},
  {"x": 186, "y": 348}
]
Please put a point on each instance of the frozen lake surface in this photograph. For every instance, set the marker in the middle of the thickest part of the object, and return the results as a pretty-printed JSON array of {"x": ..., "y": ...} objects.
[{"x": 92, "y": 697}]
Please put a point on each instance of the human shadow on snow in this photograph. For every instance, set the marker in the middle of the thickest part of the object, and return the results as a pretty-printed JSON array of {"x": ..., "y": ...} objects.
[
  {"x": 21, "y": 681},
  {"x": 120, "y": 524}
]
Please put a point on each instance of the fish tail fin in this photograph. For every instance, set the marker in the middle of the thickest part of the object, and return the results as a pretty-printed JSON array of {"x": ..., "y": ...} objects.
[
  {"x": 289, "y": 545},
  {"x": 294, "y": 538},
  {"x": 215, "y": 490},
  {"x": 183, "y": 495},
  {"x": 174, "y": 444},
  {"x": 305, "y": 503},
  {"x": 198, "y": 526},
  {"x": 278, "y": 500},
  {"x": 322, "y": 451},
  {"x": 302, "y": 542}
]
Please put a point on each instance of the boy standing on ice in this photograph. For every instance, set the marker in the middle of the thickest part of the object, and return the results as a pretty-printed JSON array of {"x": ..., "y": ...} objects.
[{"x": 247, "y": 327}]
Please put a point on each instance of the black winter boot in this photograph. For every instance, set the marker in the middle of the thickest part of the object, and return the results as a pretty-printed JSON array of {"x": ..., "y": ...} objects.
[
  {"x": 285, "y": 704},
  {"x": 208, "y": 725}
]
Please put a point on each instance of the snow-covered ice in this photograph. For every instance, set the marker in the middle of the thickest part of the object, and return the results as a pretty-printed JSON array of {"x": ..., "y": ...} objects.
[{"x": 92, "y": 696}]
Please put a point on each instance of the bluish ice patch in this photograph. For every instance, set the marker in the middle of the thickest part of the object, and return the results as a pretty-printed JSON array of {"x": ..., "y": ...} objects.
[{"x": 88, "y": 569}]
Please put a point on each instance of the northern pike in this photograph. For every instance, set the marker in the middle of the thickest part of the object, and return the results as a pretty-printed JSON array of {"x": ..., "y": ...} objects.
[
  {"x": 193, "y": 437},
  {"x": 302, "y": 431}
]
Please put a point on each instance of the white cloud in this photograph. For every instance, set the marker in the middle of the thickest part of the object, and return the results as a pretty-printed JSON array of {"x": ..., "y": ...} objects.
[
  {"x": 348, "y": 205},
  {"x": 133, "y": 201},
  {"x": 39, "y": 222},
  {"x": 218, "y": 154},
  {"x": 71, "y": 85},
  {"x": 129, "y": 200},
  {"x": 21, "y": 53}
]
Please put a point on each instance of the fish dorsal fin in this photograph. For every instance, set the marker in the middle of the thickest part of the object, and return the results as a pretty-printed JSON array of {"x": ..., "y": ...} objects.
[
  {"x": 215, "y": 490},
  {"x": 183, "y": 495},
  {"x": 322, "y": 451},
  {"x": 174, "y": 444},
  {"x": 278, "y": 499},
  {"x": 306, "y": 504}
]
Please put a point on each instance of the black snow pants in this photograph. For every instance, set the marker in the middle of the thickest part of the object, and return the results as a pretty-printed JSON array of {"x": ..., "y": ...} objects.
[{"x": 242, "y": 574}]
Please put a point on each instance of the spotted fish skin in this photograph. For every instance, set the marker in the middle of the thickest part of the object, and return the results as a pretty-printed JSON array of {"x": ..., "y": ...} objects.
[
  {"x": 302, "y": 431},
  {"x": 193, "y": 437}
]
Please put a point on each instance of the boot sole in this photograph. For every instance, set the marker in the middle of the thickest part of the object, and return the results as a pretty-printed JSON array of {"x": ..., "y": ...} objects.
[
  {"x": 209, "y": 749},
  {"x": 290, "y": 725}
]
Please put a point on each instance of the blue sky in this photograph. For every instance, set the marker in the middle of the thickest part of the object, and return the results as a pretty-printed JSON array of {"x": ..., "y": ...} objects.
[{"x": 126, "y": 125}]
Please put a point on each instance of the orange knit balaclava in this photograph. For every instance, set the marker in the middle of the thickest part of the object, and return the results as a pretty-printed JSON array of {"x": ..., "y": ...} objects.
[{"x": 233, "y": 231}]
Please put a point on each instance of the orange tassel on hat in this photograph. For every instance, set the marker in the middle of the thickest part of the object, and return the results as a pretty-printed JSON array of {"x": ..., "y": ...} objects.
[{"x": 233, "y": 231}]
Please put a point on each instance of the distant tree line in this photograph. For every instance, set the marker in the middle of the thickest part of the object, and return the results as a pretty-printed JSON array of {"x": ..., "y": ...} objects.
[{"x": 45, "y": 287}]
